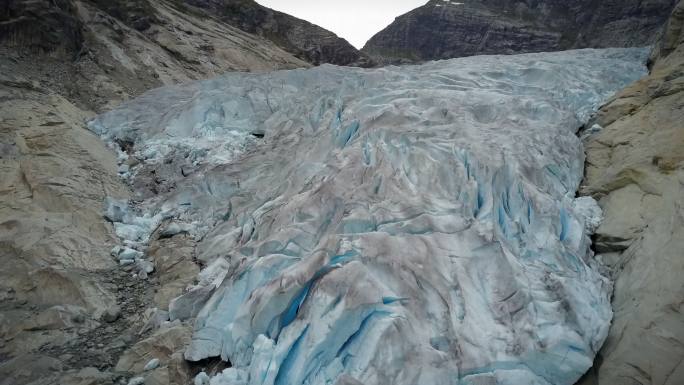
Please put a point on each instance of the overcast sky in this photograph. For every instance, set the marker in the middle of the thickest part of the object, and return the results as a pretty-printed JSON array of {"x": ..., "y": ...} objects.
[{"x": 354, "y": 20}]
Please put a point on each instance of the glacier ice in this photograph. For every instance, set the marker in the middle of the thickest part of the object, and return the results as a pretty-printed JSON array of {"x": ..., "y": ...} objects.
[{"x": 401, "y": 225}]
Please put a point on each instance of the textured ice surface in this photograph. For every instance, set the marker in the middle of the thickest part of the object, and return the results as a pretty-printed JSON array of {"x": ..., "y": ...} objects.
[{"x": 403, "y": 225}]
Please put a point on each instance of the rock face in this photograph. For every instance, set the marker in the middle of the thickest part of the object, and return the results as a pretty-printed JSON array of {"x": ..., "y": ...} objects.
[
  {"x": 411, "y": 225},
  {"x": 635, "y": 167},
  {"x": 54, "y": 176},
  {"x": 97, "y": 53},
  {"x": 444, "y": 29},
  {"x": 307, "y": 41},
  {"x": 161, "y": 346}
]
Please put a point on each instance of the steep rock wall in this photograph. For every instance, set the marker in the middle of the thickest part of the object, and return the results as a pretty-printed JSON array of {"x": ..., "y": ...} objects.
[
  {"x": 305, "y": 40},
  {"x": 443, "y": 29},
  {"x": 635, "y": 167}
]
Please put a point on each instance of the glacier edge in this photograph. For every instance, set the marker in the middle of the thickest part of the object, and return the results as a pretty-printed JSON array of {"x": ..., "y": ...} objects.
[{"x": 404, "y": 225}]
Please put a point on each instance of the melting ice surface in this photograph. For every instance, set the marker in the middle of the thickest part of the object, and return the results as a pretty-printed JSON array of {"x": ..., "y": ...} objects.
[{"x": 403, "y": 225}]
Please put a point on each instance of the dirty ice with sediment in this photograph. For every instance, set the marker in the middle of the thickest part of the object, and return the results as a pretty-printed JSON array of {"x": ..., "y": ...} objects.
[{"x": 400, "y": 225}]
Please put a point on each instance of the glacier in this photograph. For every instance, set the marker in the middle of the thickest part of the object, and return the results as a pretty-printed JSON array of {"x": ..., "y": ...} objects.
[{"x": 400, "y": 225}]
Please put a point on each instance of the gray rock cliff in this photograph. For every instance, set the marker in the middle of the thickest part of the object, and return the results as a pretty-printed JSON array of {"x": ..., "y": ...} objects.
[
  {"x": 305, "y": 40},
  {"x": 635, "y": 167},
  {"x": 443, "y": 29}
]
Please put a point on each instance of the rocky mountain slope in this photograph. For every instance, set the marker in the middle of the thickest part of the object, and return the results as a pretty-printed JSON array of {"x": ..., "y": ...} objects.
[
  {"x": 305, "y": 40},
  {"x": 66, "y": 304},
  {"x": 443, "y": 29},
  {"x": 635, "y": 167},
  {"x": 98, "y": 53}
]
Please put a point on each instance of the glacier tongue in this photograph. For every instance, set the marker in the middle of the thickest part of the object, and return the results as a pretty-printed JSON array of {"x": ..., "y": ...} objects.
[{"x": 402, "y": 225}]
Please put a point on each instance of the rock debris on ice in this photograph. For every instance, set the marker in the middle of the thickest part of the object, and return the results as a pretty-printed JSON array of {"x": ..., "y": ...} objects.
[{"x": 402, "y": 225}]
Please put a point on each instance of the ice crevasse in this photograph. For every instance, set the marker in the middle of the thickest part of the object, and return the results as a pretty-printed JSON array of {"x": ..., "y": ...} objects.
[{"x": 401, "y": 225}]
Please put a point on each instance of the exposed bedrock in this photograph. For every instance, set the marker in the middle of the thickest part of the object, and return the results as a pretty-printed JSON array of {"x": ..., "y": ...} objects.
[
  {"x": 398, "y": 225},
  {"x": 635, "y": 170},
  {"x": 304, "y": 40},
  {"x": 443, "y": 29}
]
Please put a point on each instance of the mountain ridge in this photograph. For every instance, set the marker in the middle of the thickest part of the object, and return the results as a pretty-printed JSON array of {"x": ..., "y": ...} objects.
[
  {"x": 444, "y": 29},
  {"x": 304, "y": 39}
]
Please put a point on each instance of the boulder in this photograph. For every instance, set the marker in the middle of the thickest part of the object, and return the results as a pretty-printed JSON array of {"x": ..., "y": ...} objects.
[
  {"x": 174, "y": 267},
  {"x": 189, "y": 304},
  {"x": 161, "y": 345},
  {"x": 111, "y": 314},
  {"x": 86, "y": 376},
  {"x": 30, "y": 368}
]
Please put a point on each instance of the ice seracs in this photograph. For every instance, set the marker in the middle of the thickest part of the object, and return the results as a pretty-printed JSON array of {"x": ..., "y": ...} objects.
[{"x": 402, "y": 225}]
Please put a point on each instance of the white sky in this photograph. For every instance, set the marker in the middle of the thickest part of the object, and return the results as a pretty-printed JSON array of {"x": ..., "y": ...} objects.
[{"x": 355, "y": 20}]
